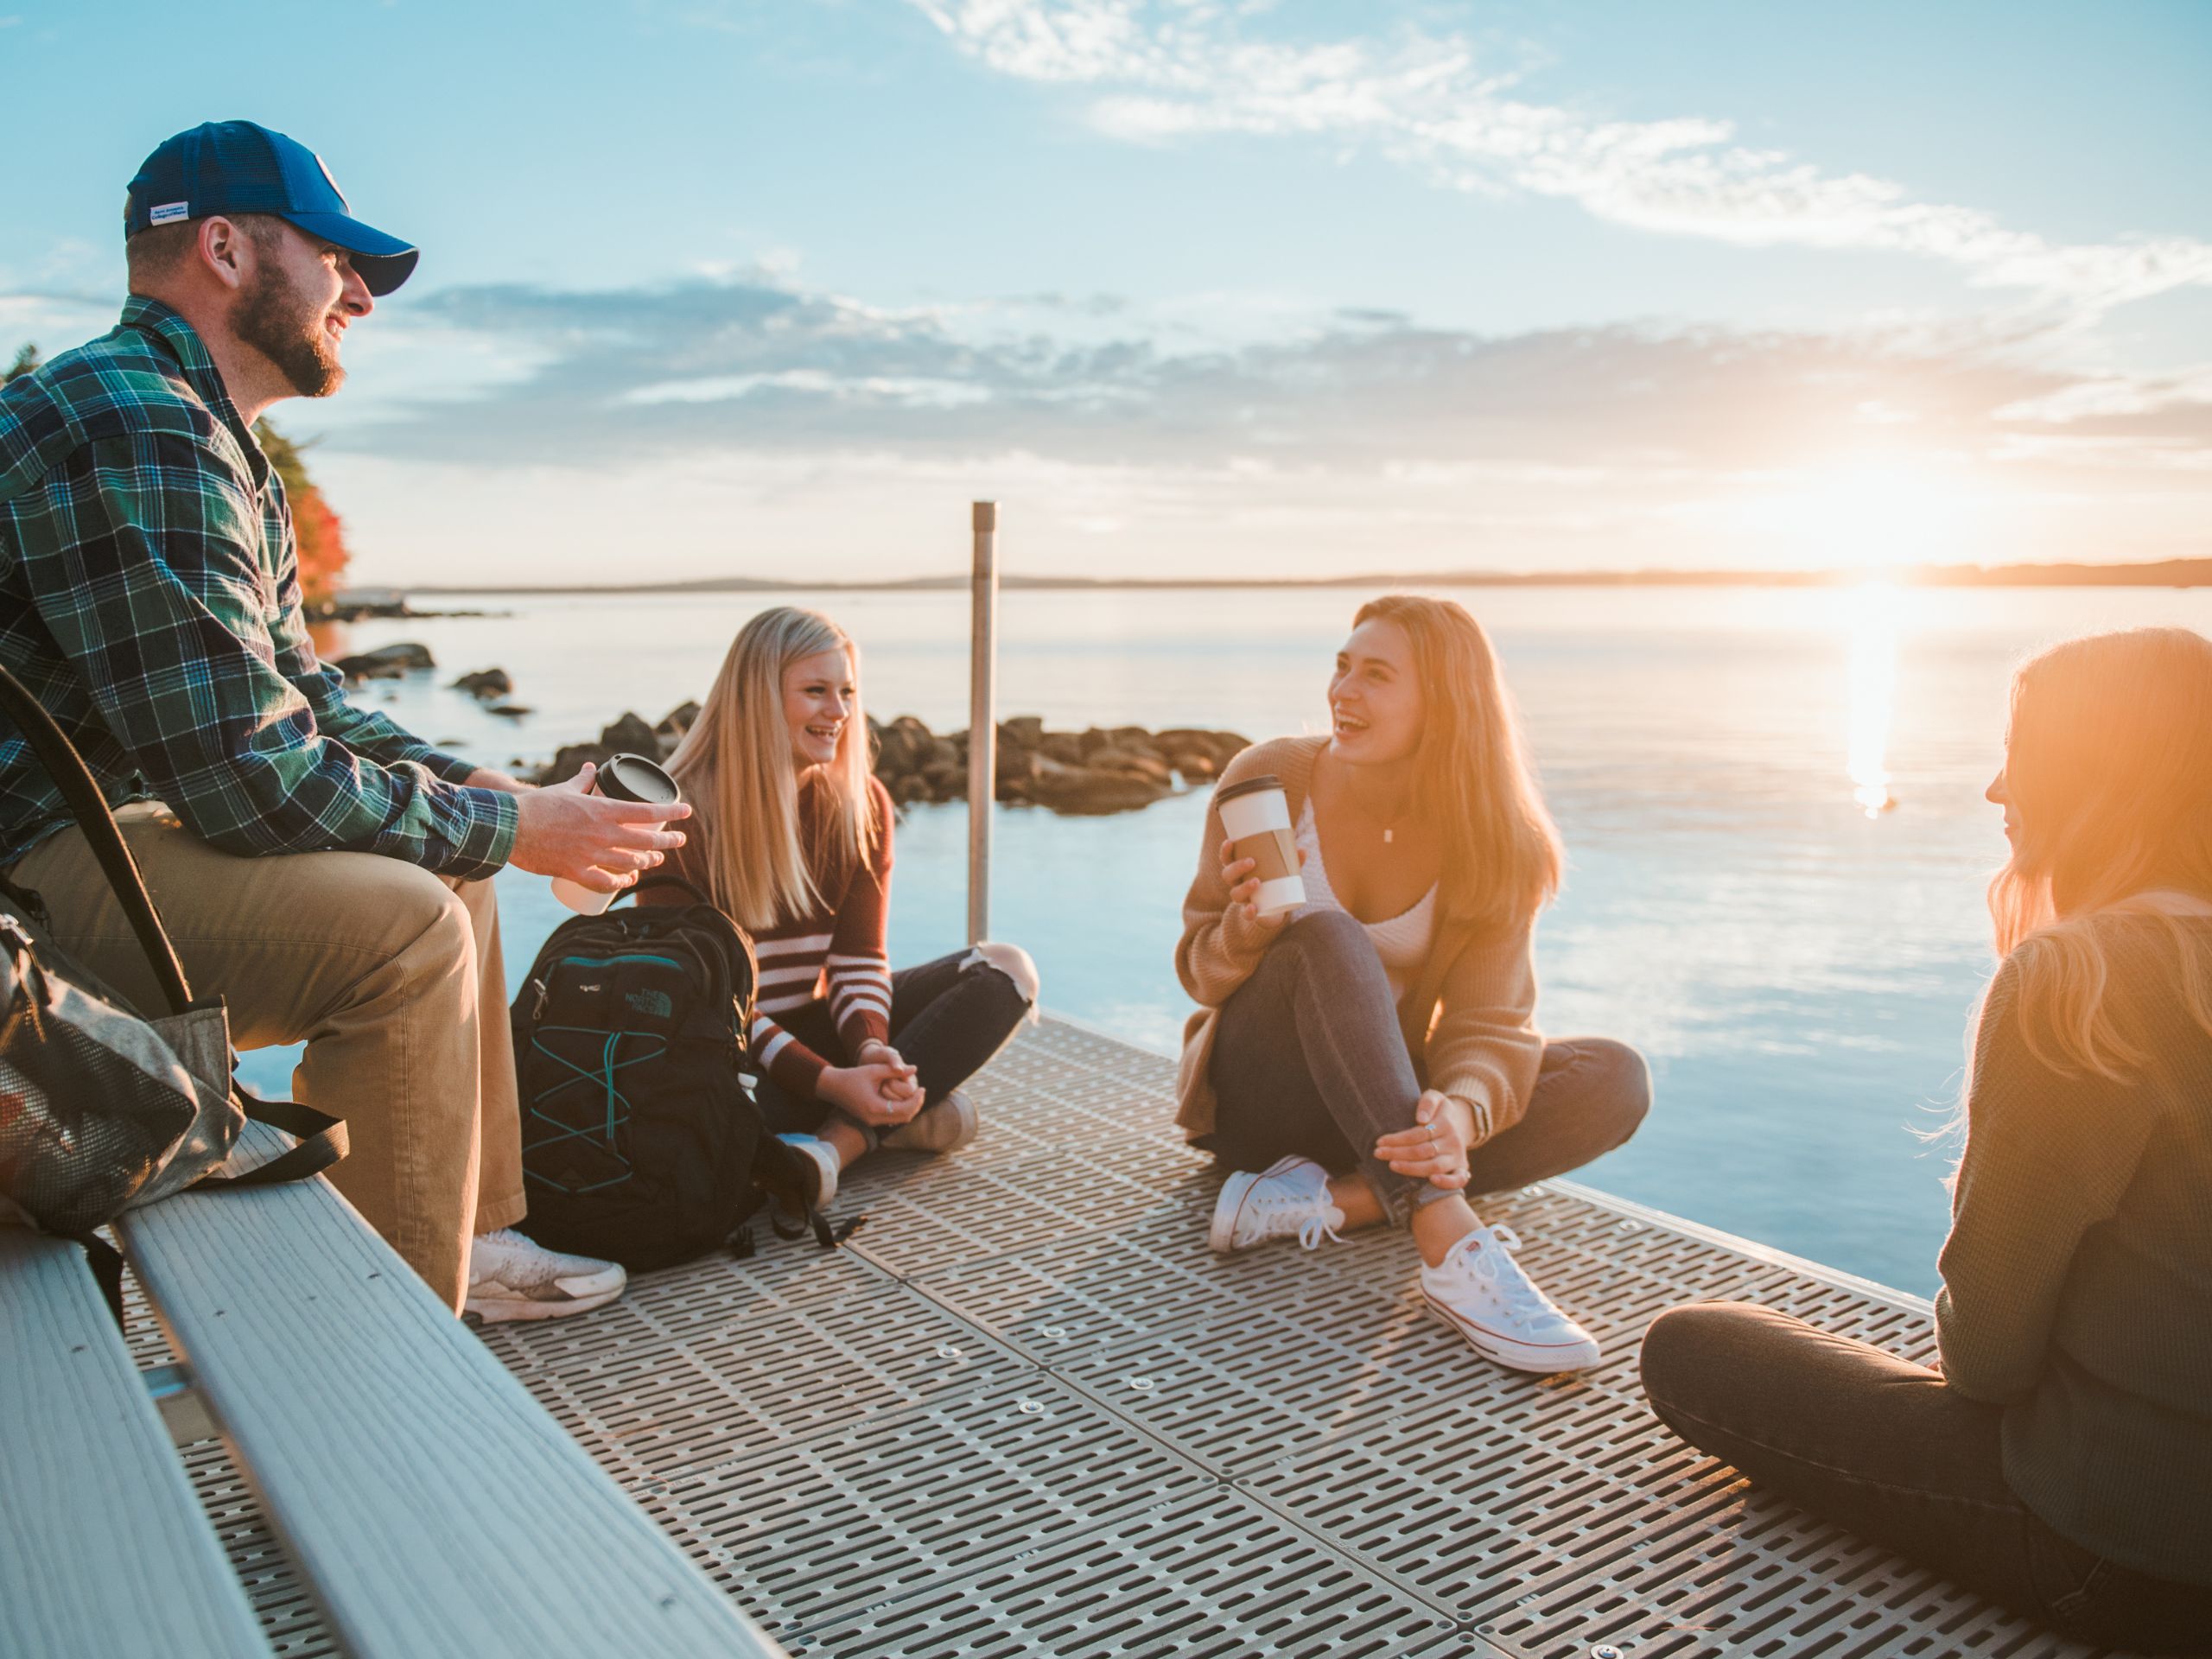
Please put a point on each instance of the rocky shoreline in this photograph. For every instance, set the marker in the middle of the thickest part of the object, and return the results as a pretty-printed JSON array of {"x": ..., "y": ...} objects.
[
  {"x": 1087, "y": 773},
  {"x": 1102, "y": 770}
]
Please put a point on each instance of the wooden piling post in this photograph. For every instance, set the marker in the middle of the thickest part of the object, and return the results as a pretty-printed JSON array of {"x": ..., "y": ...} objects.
[{"x": 982, "y": 718}]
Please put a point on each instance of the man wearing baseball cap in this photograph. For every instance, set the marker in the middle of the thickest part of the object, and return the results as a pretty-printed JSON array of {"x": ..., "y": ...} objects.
[{"x": 322, "y": 869}]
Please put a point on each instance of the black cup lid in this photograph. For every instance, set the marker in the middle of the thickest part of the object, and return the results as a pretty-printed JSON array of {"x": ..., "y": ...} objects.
[
  {"x": 634, "y": 778},
  {"x": 1265, "y": 781}
]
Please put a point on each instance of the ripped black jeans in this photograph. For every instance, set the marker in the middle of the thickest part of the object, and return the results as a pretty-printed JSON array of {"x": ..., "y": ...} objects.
[
  {"x": 949, "y": 1019},
  {"x": 1887, "y": 1448}
]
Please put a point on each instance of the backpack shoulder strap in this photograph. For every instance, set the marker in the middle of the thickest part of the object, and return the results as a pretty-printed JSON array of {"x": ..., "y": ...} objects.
[
  {"x": 81, "y": 794},
  {"x": 322, "y": 1142}
]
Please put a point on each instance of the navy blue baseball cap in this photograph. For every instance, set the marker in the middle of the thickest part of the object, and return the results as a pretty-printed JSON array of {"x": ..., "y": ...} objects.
[{"x": 235, "y": 166}]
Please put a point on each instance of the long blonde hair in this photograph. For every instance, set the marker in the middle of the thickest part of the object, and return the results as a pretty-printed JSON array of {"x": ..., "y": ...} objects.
[
  {"x": 736, "y": 766},
  {"x": 1471, "y": 776},
  {"x": 2109, "y": 760}
]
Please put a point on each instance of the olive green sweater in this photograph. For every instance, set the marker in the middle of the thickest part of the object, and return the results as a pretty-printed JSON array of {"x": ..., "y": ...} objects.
[{"x": 2077, "y": 1278}]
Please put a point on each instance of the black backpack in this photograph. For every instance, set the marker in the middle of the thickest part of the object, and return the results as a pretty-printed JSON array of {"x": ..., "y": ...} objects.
[{"x": 641, "y": 1143}]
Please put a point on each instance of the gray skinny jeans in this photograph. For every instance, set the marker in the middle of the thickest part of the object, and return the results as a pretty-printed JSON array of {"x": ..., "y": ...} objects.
[{"x": 1309, "y": 1061}]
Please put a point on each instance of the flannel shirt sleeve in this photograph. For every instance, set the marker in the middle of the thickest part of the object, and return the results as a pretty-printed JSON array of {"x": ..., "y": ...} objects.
[
  {"x": 372, "y": 736},
  {"x": 164, "y": 607}
]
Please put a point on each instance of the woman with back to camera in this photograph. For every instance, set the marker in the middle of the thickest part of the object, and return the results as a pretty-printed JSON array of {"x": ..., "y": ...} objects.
[
  {"x": 2061, "y": 1460},
  {"x": 790, "y": 837},
  {"x": 1372, "y": 1055}
]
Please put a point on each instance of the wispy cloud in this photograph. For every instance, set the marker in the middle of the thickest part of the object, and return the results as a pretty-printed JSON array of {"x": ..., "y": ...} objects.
[
  {"x": 1164, "y": 69},
  {"x": 761, "y": 364}
]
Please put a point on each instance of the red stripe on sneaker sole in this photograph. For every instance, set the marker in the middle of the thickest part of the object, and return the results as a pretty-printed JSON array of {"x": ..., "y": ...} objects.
[{"x": 1498, "y": 1346}]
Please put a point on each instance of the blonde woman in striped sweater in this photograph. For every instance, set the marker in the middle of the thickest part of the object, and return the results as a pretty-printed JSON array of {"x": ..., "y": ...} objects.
[
  {"x": 1373, "y": 1056},
  {"x": 791, "y": 838}
]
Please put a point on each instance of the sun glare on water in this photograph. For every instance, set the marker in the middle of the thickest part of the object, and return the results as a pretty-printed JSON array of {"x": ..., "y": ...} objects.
[
  {"x": 1874, "y": 611},
  {"x": 1876, "y": 518}
]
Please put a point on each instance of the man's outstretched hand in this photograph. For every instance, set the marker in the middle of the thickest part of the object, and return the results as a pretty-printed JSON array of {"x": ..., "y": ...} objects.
[{"x": 594, "y": 841}]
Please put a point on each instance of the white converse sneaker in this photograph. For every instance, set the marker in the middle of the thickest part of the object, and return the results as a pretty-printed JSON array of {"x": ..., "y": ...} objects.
[
  {"x": 946, "y": 1126},
  {"x": 1480, "y": 1291},
  {"x": 1289, "y": 1198},
  {"x": 825, "y": 1160},
  {"x": 511, "y": 1277}
]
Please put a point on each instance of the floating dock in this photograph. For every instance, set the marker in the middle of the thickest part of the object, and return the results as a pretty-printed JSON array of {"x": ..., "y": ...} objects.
[{"x": 1027, "y": 1412}]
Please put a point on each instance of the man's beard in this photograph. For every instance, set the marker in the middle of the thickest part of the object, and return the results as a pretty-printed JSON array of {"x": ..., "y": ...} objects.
[{"x": 285, "y": 328}]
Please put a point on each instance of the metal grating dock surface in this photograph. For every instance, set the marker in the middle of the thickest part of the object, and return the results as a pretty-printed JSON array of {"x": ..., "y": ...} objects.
[{"x": 1027, "y": 1412}]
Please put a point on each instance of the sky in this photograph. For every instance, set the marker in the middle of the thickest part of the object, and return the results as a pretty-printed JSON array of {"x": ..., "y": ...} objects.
[{"x": 774, "y": 288}]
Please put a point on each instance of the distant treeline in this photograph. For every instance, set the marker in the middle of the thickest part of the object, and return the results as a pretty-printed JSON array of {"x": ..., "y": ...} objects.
[{"x": 2167, "y": 573}]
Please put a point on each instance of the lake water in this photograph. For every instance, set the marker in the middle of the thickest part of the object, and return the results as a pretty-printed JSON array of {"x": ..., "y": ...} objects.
[{"x": 1798, "y": 963}]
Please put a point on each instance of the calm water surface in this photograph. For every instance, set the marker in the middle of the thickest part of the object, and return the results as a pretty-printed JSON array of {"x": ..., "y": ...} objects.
[{"x": 1797, "y": 960}]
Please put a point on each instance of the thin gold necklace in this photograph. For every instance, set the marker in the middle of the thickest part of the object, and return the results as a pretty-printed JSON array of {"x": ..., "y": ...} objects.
[{"x": 1405, "y": 808}]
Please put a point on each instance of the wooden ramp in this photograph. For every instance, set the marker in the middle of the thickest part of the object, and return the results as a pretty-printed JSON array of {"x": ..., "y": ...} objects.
[{"x": 1027, "y": 1412}]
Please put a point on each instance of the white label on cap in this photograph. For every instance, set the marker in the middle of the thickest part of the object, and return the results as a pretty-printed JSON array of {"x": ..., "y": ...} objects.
[{"x": 169, "y": 211}]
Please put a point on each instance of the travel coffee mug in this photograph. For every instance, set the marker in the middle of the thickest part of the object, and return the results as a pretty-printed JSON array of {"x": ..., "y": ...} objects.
[
  {"x": 1256, "y": 815},
  {"x": 624, "y": 778}
]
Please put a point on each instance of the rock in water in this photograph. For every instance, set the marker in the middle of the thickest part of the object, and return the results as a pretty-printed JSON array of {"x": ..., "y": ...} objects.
[
  {"x": 630, "y": 735},
  {"x": 385, "y": 662},
  {"x": 486, "y": 684},
  {"x": 1143, "y": 763},
  {"x": 1085, "y": 791}
]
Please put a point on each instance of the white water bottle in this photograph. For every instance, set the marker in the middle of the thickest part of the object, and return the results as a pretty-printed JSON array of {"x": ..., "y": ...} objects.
[{"x": 624, "y": 778}]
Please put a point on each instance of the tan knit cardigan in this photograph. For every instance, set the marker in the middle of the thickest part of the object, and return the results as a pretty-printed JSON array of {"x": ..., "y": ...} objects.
[{"x": 1468, "y": 1022}]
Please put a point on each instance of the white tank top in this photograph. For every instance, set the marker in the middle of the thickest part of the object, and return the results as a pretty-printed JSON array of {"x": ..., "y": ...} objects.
[{"x": 1402, "y": 943}]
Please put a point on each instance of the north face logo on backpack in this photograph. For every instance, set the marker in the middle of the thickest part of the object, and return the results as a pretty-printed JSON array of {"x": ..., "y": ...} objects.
[{"x": 656, "y": 1003}]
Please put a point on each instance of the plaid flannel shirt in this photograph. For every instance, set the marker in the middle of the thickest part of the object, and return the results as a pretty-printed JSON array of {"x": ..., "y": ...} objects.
[{"x": 150, "y": 599}]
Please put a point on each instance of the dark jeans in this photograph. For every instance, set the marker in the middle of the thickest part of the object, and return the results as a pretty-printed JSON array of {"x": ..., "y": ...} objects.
[
  {"x": 948, "y": 1019},
  {"x": 1308, "y": 1061},
  {"x": 1890, "y": 1450}
]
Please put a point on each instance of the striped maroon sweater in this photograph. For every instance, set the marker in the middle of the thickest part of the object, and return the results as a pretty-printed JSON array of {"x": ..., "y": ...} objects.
[{"x": 834, "y": 950}]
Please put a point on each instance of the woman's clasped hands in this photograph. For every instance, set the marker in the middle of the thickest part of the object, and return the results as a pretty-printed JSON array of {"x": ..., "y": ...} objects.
[{"x": 880, "y": 1089}]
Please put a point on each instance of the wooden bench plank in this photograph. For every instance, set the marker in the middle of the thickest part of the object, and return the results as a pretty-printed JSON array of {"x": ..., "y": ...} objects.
[
  {"x": 432, "y": 1503},
  {"x": 104, "y": 1549}
]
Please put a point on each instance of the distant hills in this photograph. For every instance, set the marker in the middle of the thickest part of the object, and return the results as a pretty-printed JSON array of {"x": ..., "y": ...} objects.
[{"x": 2167, "y": 573}]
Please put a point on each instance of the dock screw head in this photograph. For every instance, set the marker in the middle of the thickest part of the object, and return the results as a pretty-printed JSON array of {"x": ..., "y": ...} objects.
[
  {"x": 946, "y": 1350},
  {"x": 1606, "y": 1651}
]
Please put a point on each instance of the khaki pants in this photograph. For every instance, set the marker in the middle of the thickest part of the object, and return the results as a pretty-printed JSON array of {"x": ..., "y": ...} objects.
[{"x": 390, "y": 976}]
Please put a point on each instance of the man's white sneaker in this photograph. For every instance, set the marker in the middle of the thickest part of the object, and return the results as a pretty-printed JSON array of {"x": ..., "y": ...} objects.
[
  {"x": 945, "y": 1126},
  {"x": 1480, "y": 1291},
  {"x": 511, "y": 1277},
  {"x": 1287, "y": 1199},
  {"x": 825, "y": 1162}
]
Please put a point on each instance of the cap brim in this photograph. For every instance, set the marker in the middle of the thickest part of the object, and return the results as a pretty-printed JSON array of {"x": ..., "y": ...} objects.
[{"x": 385, "y": 262}]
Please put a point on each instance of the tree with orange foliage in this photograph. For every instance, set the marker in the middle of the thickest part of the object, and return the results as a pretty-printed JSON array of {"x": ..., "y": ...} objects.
[{"x": 321, "y": 534}]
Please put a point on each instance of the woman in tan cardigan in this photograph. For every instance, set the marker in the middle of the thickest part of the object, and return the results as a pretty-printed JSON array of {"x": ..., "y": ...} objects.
[{"x": 1372, "y": 1055}]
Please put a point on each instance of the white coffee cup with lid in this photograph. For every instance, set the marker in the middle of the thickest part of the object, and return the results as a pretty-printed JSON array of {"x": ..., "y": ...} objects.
[
  {"x": 1256, "y": 814},
  {"x": 624, "y": 778}
]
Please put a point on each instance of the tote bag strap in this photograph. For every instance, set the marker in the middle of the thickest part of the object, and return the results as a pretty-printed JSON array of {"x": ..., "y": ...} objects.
[{"x": 83, "y": 797}]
